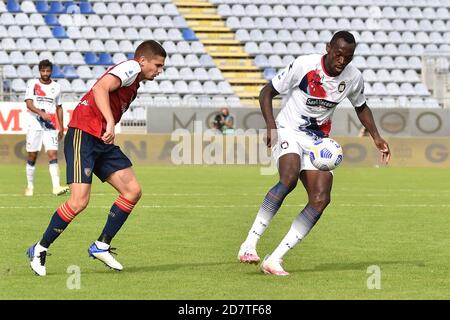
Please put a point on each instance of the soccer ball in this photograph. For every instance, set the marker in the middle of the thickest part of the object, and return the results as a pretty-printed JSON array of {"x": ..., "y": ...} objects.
[{"x": 326, "y": 154}]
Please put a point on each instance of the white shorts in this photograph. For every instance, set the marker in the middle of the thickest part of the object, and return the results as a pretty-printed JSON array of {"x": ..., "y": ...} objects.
[
  {"x": 35, "y": 139},
  {"x": 290, "y": 141}
]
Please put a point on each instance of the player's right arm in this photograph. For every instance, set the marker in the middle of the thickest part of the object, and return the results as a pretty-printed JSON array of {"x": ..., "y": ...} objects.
[
  {"x": 101, "y": 92},
  {"x": 266, "y": 96},
  {"x": 281, "y": 83}
]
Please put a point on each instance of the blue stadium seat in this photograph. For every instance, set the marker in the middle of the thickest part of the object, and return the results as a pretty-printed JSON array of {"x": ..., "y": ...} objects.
[
  {"x": 56, "y": 7},
  {"x": 67, "y": 5},
  {"x": 189, "y": 34},
  {"x": 90, "y": 58},
  {"x": 13, "y": 6},
  {"x": 70, "y": 72},
  {"x": 51, "y": 20},
  {"x": 42, "y": 6},
  {"x": 105, "y": 59},
  {"x": 85, "y": 7},
  {"x": 269, "y": 73},
  {"x": 59, "y": 32},
  {"x": 56, "y": 72},
  {"x": 130, "y": 55}
]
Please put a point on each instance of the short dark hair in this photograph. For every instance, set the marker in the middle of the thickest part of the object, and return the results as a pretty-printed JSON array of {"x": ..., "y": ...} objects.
[
  {"x": 45, "y": 64},
  {"x": 345, "y": 35},
  {"x": 150, "y": 48}
]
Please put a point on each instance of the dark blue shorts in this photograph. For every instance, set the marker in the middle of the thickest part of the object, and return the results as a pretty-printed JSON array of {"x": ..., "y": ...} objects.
[{"x": 87, "y": 155}]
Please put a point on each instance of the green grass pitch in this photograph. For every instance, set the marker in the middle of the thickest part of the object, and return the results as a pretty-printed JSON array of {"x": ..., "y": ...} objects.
[{"x": 181, "y": 241}]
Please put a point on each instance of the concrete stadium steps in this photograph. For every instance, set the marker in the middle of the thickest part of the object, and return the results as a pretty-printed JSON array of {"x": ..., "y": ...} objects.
[{"x": 236, "y": 65}]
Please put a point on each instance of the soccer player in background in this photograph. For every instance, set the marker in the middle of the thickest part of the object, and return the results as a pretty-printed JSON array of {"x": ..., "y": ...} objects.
[
  {"x": 315, "y": 84},
  {"x": 45, "y": 125},
  {"x": 89, "y": 149}
]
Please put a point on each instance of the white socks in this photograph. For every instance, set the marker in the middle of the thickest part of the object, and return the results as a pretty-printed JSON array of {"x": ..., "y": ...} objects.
[
  {"x": 257, "y": 229},
  {"x": 54, "y": 173},
  {"x": 289, "y": 241},
  {"x": 30, "y": 175},
  {"x": 301, "y": 226}
]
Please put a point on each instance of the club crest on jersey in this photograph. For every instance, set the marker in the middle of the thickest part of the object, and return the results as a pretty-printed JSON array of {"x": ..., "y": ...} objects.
[
  {"x": 341, "y": 86},
  {"x": 284, "y": 145}
]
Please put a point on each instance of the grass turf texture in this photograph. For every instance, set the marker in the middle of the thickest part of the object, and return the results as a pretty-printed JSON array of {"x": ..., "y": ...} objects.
[{"x": 181, "y": 241}]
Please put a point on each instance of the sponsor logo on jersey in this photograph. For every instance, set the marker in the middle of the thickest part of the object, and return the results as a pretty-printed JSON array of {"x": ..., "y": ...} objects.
[
  {"x": 321, "y": 103},
  {"x": 341, "y": 86}
]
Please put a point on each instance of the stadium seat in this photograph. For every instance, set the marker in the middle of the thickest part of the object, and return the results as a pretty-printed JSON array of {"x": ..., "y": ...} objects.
[
  {"x": 14, "y": 32},
  {"x": 18, "y": 85},
  {"x": 46, "y": 55},
  {"x": 84, "y": 72},
  {"x": 105, "y": 59},
  {"x": 59, "y": 32},
  {"x": 201, "y": 74},
  {"x": 52, "y": 44},
  {"x": 90, "y": 58},
  {"x": 36, "y": 19},
  {"x": 13, "y": 6},
  {"x": 23, "y": 45},
  {"x": 22, "y": 19},
  {"x": 56, "y": 7},
  {"x": 56, "y": 72},
  {"x": 69, "y": 72},
  {"x": 181, "y": 87},
  {"x": 186, "y": 74},
  {"x": 189, "y": 35},
  {"x": 407, "y": 89},
  {"x": 215, "y": 74},
  {"x": 7, "y": 19},
  {"x": 78, "y": 86},
  {"x": 421, "y": 89},
  {"x": 86, "y": 8},
  {"x": 9, "y": 72},
  {"x": 66, "y": 87},
  {"x": 61, "y": 58},
  {"x": 98, "y": 71},
  {"x": 269, "y": 73},
  {"x": 8, "y": 44},
  {"x": 51, "y": 20}
]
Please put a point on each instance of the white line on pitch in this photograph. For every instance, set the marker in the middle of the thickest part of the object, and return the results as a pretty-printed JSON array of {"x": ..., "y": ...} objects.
[{"x": 245, "y": 206}]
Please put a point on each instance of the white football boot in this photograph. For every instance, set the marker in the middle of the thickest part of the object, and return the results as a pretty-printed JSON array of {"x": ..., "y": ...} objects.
[
  {"x": 29, "y": 191},
  {"x": 105, "y": 256},
  {"x": 248, "y": 254},
  {"x": 60, "y": 190},
  {"x": 37, "y": 260},
  {"x": 273, "y": 266}
]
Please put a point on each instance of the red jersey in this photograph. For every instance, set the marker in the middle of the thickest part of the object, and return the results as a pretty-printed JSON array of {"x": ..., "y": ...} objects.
[{"x": 87, "y": 116}]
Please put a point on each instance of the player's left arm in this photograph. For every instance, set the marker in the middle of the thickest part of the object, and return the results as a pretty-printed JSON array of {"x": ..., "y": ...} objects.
[
  {"x": 59, "y": 117},
  {"x": 366, "y": 117}
]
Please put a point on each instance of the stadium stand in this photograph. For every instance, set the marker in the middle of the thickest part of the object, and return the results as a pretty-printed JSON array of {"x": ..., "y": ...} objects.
[{"x": 223, "y": 51}]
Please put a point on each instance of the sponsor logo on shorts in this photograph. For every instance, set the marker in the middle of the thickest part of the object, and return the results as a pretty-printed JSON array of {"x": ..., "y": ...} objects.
[{"x": 284, "y": 145}]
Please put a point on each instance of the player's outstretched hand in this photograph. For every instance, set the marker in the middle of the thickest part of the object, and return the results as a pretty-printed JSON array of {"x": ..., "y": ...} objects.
[
  {"x": 108, "y": 136},
  {"x": 383, "y": 146}
]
